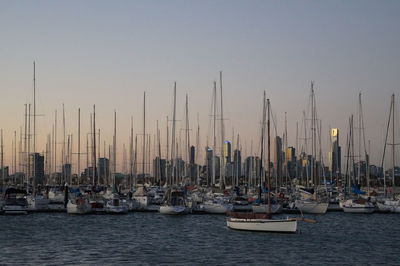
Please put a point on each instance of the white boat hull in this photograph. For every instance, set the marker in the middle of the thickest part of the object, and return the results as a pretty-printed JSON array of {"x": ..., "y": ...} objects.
[
  {"x": 352, "y": 207},
  {"x": 312, "y": 207},
  {"x": 216, "y": 208},
  {"x": 263, "y": 225},
  {"x": 263, "y": 208},
  {"x": 173, "y": 210},
  {"x": 78, "y": 208}
]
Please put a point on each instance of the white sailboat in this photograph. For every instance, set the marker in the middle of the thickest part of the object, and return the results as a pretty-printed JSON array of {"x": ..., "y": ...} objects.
[
  {"x": 312, "y": 202},
  {"x": 262, "y": 222},
  {"x": 311, "y": 206},
  {"x": 390, "y": 204},
  {"x": 79, "y": 205},
  {"x": 216, "y": 207},
  {"x": 174, "y": 203},
  {"x": 359, "y": 205}
]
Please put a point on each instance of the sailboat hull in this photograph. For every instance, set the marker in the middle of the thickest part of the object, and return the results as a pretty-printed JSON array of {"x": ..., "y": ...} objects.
[
  {"x": 173, "y": 210},
  {"x": 263, "y": 225},
  {"x": 312, "y": 207},
  {"x": 216, "y": 208},
  {"x": 353, "y": 206}
]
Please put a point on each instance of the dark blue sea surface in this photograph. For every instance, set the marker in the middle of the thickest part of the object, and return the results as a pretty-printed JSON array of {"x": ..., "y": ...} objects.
[{"x": 154, "y": 239}]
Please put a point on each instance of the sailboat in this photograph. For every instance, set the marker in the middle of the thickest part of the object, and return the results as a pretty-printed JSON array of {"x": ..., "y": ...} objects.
[
  {"x": 390, "y": 204},
  {"x": 78, "y": 203},
  {"x": 262, "y": 221},
  {"x": 358, "y": 204},
  {"x": 174, "y": 203},
  {"x": 313, "y": 204}
]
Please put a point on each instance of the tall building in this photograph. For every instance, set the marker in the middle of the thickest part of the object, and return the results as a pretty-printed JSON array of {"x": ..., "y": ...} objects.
[
  {"x": 104, "y": 169},
  {"x": 237, "y": 169},
  {"x": 37, "y": 167},
  {"x": 159, "y": 169},
  {"x": 192, "y": 154},
  {"x": 278, "y": 158},
  {"x": 227, "y": 152},
  {"x": 335, "y": 154}
]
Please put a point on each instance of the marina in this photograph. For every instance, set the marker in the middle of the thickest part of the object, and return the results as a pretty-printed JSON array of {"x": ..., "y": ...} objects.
[{"x": 199, "y": 132}]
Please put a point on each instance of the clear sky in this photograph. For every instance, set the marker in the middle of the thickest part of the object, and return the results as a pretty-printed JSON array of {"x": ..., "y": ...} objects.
[{"x": 108, "y": 52}]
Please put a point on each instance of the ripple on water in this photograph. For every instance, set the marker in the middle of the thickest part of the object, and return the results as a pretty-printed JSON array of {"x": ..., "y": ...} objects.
[{"x": 151, "y": 238}]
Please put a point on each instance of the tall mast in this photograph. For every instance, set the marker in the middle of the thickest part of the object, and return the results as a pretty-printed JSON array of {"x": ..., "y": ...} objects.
[
  {"x": 262, "y": 146},
  {"x": 79, "y": 145},
  {"x": 269, "y": 156},
  {"x": 135, "y": 163},
  {"x": 131, "y": 156},
  {"x": 29, "y": 145},
  {"x": 359, "y": 140},
  {"x": 222, "y": 171},
  {"x": 55, "y": 141},
  {"x": 144, "y": 135},
  {"x": 393, "y": 143},
  {"x": 63, "y": 149},
  {"x": 115, "y": 147},
  {"x": 34, "y": 107},
  {"x": 94, "y": 146},
  {"x": 214, "y": 133},
  {"x": 173, "y": 137}
]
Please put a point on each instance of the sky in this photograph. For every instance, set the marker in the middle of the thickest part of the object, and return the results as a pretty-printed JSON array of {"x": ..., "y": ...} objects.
[{"x": 108, "y": 53}]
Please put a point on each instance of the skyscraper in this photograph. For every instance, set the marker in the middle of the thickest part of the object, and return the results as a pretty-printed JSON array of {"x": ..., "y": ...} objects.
[
  {"x": 37, "y": 167},
  {"x": 335, "y": 154},
  {"x": 227, "y": 151},
  {"x": 278, "y": 158}
]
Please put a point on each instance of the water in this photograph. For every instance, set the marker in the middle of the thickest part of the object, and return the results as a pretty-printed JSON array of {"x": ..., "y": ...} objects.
[{"x": 151, "y": 238}]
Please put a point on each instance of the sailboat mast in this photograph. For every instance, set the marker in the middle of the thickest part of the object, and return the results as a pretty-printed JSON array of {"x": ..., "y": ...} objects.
[
  {"x": 393, "y": 143},
  {"x": 55, "y": 141},
  {"x": 34, "y": 107},
  {"x": 262, "y": 147},
  {"x": 269, "y": 156},
  {"x": 29, "y": 146},
  {"x": 79, "y": 145},
  {"x": 115, "y": 147},
  {"x": 214, "y": 133},
  {"x": 222, "y": 171},
  {"x": 359, "y": 140},
  {"x": 135, "y": 163},
  {"x": 131, "y": 156},
  {"x": 173, "y": 138},
  {"x": 144, "y": 135},
  {"x": 94, "y": 146}
]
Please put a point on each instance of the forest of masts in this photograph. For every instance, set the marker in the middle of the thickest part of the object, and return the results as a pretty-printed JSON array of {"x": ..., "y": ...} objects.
[{"x": 146, "y": 160}]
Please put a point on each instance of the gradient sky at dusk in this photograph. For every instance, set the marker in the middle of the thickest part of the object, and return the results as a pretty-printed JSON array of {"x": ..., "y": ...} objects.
[{"x": 108, "y": 52}]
